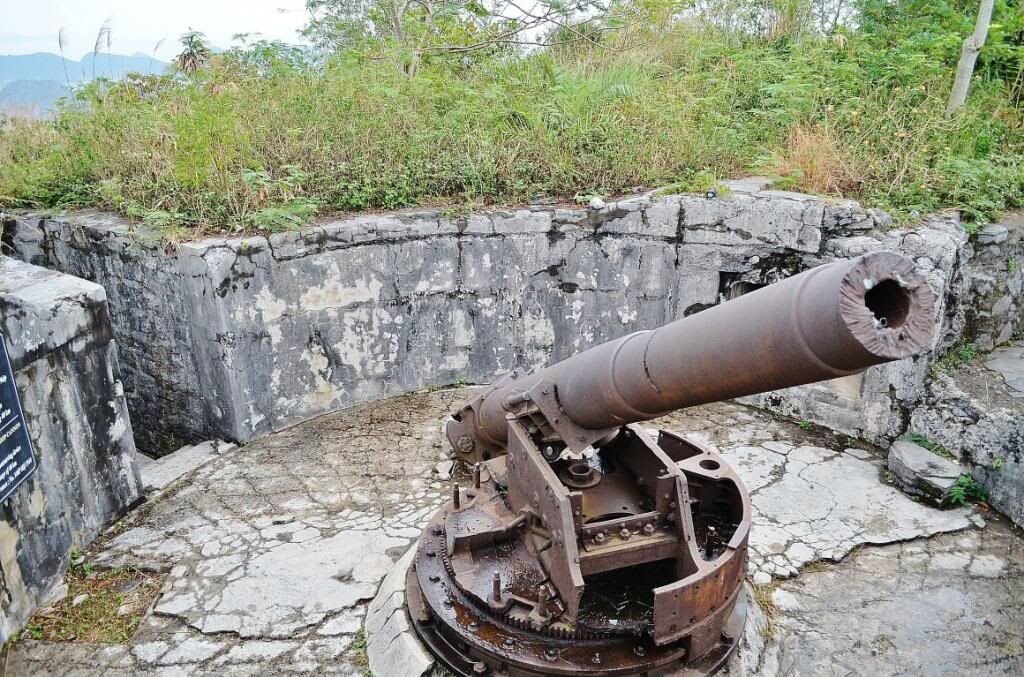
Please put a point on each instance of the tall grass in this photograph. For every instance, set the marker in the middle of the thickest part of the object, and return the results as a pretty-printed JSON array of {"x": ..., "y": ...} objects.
[{"x": 239, "y": 145}]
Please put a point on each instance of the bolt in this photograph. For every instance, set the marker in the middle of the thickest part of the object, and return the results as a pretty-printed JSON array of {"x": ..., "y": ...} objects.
[
  {"x": 639, "y": 650},
  {"x": 496, "y": 587},
  {"x": 455, "y": 496},
  {"x": 600, "y": 538},
  {"x": 551, "y": 653},
  {"x": 474, "y": 626},
  {"x": 596, "y": 658},
  {"x": 625, "y": 534},
  {"x": 465, "y": 444},
  {"x": 508, "y": 643},
  {"x": 709, "y": 545},
  {"x": 479, "y": 668},
  {"x": 648, "y": 528}
]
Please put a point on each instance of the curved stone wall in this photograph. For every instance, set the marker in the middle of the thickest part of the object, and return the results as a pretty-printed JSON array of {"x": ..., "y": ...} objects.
[{"x": 235, "y": 338}]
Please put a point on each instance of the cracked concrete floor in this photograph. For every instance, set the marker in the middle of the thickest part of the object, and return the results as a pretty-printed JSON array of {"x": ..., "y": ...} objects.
[{"x": 274, "y": 550}]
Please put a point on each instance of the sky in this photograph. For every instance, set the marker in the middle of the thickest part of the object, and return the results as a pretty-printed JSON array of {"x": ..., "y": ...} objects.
[{"x": 28, "y": 26}]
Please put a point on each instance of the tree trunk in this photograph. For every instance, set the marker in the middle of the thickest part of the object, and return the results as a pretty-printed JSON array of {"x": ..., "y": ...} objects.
[{"x": 969, "y": 56}]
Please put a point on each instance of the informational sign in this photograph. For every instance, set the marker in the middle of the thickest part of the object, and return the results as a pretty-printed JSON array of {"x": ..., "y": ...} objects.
[{"x": 17, "y": 462}]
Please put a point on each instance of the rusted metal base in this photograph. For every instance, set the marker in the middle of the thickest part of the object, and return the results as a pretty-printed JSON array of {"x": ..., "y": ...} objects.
[
  {"x": 561, "y": 657},
  {"x": 657, "y": 593}
]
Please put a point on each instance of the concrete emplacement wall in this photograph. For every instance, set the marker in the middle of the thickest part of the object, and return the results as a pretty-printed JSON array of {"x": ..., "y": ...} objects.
[
  {"x": 65, "y": 368},
  {"x": 236, "y": 338}
]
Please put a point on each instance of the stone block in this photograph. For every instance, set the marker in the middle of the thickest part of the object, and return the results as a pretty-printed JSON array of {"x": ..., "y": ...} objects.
[
  {"x": 66, "y": 371},
  {"x": 919, "y": 472}
]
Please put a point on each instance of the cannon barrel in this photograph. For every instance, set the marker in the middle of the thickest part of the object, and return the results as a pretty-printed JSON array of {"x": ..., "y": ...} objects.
[{"x": 830, "y": 321}]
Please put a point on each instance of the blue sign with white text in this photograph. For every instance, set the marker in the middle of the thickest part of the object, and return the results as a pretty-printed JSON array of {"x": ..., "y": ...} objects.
[{"x": 17, "y": 462}]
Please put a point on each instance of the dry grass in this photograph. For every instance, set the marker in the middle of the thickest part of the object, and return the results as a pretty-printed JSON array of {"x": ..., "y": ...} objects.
[
  {"x": 765, "y": 600},
  {"x": 111, "y": 605},
  {"x": 815, "y": 162}
]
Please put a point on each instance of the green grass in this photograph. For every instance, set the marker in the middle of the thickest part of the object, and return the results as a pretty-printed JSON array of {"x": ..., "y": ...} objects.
[
  {"x": 957, "y": 356},
  {"x": 235, "y": 147},
  {"x": 924, "y": 442}
]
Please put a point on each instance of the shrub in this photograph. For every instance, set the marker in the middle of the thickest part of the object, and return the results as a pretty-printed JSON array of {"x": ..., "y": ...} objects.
[{"x": 263, "y": 138}]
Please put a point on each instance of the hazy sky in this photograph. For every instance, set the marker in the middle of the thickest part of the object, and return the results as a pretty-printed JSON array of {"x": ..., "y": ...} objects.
[{"x": 28, "y": 26}]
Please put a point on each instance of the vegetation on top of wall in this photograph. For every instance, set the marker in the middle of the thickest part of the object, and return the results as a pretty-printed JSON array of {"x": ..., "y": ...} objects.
[{"x": 267, "y": 136}]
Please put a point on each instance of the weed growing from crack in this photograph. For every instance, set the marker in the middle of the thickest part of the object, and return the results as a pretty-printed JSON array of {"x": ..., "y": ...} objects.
[
  {"x": 763, "y": 595},
  {"x": 966, "y": 490},
  {"x": 957, "y": 356},
  {"x": 358, "y": 651}
]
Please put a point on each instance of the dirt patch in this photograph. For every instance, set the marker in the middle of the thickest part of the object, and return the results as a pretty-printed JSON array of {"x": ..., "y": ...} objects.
[
  {"x": 102, "y": 606},
  {"x": 984, "y": 385}
]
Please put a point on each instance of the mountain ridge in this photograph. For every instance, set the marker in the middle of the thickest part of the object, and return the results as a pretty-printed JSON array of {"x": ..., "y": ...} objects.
[{"x": 50, "y": 66}]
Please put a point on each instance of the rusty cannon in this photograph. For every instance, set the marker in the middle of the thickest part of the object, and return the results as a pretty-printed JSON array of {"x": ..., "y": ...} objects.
[{"x": 587, "y": 544}]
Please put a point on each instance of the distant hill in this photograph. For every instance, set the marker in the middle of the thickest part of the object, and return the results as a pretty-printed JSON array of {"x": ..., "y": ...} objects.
[
  {"x": 31, "y": 98},
  {"x": 45, "y": 66}
]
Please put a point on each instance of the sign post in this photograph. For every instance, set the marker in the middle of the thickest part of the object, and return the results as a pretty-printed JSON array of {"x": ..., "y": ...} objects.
[{"x": 17, "y": 461}]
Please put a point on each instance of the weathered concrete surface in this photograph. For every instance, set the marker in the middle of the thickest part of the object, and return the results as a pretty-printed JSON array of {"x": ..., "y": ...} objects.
[
  {"x": 812, "y": 499},
  {"x": 235, "y": 338},
  {"x": 160, "y": 473},
  {"x": 921, "y": 472},
  {"x": 1008, "y": 362},
  {"x": 950, "y": 605},
  {"x": 274, "y": 550},
  {"x": 65, "y": 366},
  {"x": 392, "y": 647},
  {"x": 976, "y": 413}
]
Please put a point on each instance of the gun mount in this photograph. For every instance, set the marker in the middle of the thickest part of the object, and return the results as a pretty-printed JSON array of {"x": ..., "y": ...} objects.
[{"x": 588, "y": 545}]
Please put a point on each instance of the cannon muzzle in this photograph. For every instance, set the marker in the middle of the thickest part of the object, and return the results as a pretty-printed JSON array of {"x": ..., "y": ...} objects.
[{"x": 830, "y": 321}]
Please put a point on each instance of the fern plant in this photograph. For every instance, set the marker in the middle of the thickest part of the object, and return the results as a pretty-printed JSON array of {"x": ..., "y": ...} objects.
[{"x": 967, "y": 490}]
